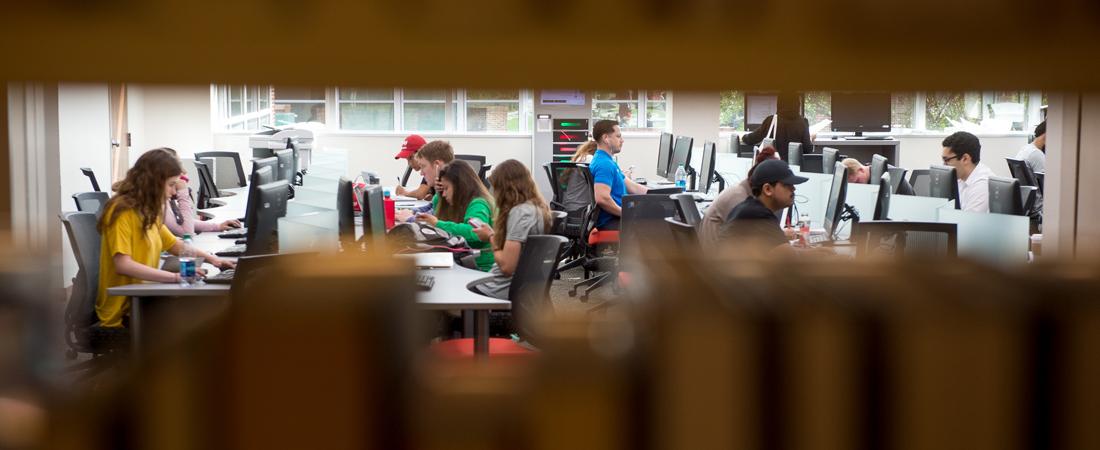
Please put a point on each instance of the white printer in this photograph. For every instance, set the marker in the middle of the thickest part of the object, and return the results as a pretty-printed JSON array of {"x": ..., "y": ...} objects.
[{"x": 265, "y": 143}]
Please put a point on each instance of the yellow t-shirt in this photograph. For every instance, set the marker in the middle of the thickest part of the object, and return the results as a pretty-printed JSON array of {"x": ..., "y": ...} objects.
[{"x": 127, "y": 237}]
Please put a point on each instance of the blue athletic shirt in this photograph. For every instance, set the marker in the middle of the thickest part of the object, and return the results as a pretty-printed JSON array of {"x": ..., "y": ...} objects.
[{"x": 606, "y": 171}]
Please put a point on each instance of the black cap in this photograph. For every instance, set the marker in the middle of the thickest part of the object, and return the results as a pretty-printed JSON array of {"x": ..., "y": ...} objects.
[{"x": 774, "y": 171}]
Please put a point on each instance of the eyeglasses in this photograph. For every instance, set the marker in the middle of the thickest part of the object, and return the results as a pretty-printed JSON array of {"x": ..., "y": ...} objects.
[{"x": 949, "y": 158}]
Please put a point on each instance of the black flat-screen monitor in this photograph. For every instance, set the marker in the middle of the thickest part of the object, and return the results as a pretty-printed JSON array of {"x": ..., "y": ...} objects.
[
  {"x": 706, "y": 168},
  {"x": 1022, "y": 172},
  {"x": 664, "y": 155},
  {"x": 374, "y": 216},
  {"x": 271, "y": 162},
  {"x": 838, "y": 193},
  {"x": 828, "y": 160},
  {"x": 861, "y": 112},
  {"x": 345, "y": 212},
  {"x": 758, "y": 106},
  {"x": 681, "y": 155},
  {"x": 286, "y": 164},
  {"x": 1004, "y": 196},
  {"x": 794, "y": 154},
  {"x": 942, "y": 183},
  {"x": 882, "y": 202},
  {"x": 878, "y": 167},
  {"x": 264, "y": 224},
  {"x": 261, "y": 175}
]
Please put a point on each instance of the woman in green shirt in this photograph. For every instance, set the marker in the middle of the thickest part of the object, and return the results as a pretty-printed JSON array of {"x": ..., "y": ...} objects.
[{"x": 461, "y": 198}]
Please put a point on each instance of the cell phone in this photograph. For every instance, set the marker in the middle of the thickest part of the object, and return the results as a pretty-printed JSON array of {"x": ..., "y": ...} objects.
[{"x": 475, "y": 223}]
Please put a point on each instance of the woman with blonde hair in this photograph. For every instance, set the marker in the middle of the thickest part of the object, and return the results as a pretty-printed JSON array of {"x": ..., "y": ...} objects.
[
  {"x": 521, "y": 212},
  {"x": 133, "y": 234}
]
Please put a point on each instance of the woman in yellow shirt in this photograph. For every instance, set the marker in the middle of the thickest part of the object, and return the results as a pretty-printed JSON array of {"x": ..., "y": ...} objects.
[{"x": 133, "y": 235}]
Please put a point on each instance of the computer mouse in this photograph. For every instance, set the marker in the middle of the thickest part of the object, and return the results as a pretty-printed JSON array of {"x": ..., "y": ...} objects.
[{"x": 640, "y": 180}]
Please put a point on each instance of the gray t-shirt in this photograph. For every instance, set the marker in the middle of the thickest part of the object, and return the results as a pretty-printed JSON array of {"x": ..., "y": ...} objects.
[
  {"x": 715, "y": 218},
  {"x": 523, "y": 220}
]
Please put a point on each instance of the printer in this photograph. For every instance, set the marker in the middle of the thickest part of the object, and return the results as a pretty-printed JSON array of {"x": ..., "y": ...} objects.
[{"x": 265, "y": 143}]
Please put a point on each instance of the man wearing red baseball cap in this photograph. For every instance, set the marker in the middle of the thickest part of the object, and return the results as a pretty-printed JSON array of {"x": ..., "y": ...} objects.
[{"x": 408, "y": 149}]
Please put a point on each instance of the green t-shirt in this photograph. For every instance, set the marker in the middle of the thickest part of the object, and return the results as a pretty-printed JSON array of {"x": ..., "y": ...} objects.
[{"x": 480, "y": 209}]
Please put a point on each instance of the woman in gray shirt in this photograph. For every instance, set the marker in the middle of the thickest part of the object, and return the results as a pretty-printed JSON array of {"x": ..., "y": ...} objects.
[{"x": 521, "y": 212}]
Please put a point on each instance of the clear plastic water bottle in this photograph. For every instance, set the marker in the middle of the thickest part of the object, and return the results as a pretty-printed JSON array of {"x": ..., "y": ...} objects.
[
  {"x": 804, "y": 229},
  {"x": 189, "y": 274},
  {"x": 681, "y": 177}
]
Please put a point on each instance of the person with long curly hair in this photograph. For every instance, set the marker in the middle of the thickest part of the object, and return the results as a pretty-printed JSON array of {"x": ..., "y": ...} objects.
[
  {"x": 521, "y": 212},
  {"x": 134, "y": 235}
]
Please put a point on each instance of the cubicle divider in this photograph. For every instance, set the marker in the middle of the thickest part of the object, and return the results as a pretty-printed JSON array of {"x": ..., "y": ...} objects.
[
  {"x": 812, "y": 196},
  {"x": 996, "y": 239},
  {"x": 314, "y": 231},
  {"x": 915, "y": 208},
  {"x": 732, "y": 168}
]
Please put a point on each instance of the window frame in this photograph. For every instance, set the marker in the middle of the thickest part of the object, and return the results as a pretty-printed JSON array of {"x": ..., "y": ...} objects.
[{"x": 643, "y": 110}]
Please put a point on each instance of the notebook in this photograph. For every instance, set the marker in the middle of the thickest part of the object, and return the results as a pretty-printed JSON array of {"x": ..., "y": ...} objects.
[{"x": 439, "y": 260}]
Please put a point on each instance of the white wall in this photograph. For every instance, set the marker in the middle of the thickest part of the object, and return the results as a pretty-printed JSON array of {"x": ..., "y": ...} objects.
[
  {"x": 84, "y": 140},
  {"x": 172, "y": 116}
]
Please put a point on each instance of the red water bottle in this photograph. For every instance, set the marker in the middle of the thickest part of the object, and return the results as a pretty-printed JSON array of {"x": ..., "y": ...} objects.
[{"x": 389, "y": 207}]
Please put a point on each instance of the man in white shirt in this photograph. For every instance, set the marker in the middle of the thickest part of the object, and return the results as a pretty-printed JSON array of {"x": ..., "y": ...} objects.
[
  {"x": 962, "y": 151},
  {"x": 1034, "y": 154}
]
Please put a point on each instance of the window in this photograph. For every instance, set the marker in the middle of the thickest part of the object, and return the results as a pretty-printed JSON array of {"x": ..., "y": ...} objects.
[
  {"x": 493, "y": 110},
  {"x": 424, "y": 109},
  {"x": 366, "y": 109},
  {"x": 243, "y": 107},
  {"x": 634, "y": 110},
  {"x": 817, "y": 106},
  {"x": 298, "y": 104},
  {"x": 731, "y": 111}
]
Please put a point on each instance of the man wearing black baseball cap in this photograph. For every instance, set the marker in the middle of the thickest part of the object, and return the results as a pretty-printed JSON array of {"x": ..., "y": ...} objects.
[{"x": 755, "y": 220}]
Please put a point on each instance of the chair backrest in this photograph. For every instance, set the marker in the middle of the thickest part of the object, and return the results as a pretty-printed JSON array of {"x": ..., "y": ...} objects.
[
  {"x": 530, "y": 288},
  {"x": 685, "y": 235},
  {"x": 794, "y": 154},
  {"x": 920, "y": 180},
  {"x": 405, "y": 177},
  {"x": 226, "y": 168},
  {"x": 1022, "y": 172},
  {"x": 573, "y": 185},
  {"x": 644, "y": 216},
  {"x": 85, "y": 241},
  {"x": 207, "y": 188},
  {"x": 878, "y": 167},
  {"x": 91, "y": 201},
  {"x": 829, "y": 157},
  {"x": 905, "y": 239},
  {"x": 91, "y": 177},
  {"x": 476, "y": 162},
  {"x": 897, "y": 175},
  {"x": 689, "y": 211},
  {"x": 557, "y": 225}
]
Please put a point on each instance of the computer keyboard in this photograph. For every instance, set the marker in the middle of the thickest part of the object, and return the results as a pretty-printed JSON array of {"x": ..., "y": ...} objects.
[
  {"x": 235, "y": 234},
  {"x": 223, "y": 277},
  {"x": 817, "y": 238},
  {"x": 425, "y": 282},
  {"x": 236, "y": 250}
]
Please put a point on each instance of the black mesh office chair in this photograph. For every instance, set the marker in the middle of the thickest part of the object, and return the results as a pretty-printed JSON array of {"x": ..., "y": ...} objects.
[
  {"x": 643, "y": 218},
  {"x": 575, "y": 182},
  {"x": 87, "y": 171},
  {"x": 477, "y": 162},
  {"x": 208, "y": 189},
  {"x": 685, "y": 236},
  {"x": 905, "y": 239},
  {"x": 91, "y": 201},
  {"x": 689, "y": 211},
  {"x": 225, "y": 167},
  {"x": 83, "y": 333}
]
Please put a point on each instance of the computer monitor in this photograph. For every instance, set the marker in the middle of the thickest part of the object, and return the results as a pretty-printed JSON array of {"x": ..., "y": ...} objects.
[
  {"x": 286, "y": 164},
  {"x": 261, "y": 175},
  {"x": 374, "y": 216},
  {"x": 758, "y": 106},
  {"x": 264, "y": 222},
  {"x": 1004, "y": 196},
  {"x": 861, "y": 111},
  {"x": 794, "y": 154},
  {"x": 681, "y": 155},
  {"x": 878, "y": 168},
  {"x": 838, "y": 193},
  {"x": 828, "y": 160},
  {"x": 882, "y": 202},
  {"x": 271, "y": 162},
  {"x": 345, "y": 212},
  {"x": 942, "y": 183},
  {"x": 664, "y": 155},
  {"x": 706, "y": 169}
]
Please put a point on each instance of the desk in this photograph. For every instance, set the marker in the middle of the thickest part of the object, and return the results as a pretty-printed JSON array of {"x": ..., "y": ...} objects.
[{"x": 863, "y": 149}]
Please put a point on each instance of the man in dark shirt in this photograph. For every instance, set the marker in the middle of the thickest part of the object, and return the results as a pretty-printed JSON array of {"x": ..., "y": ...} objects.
[{"x": 754, "y": 222}]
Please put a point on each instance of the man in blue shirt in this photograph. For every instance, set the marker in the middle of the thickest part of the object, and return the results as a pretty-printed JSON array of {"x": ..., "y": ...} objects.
[{"x": 609, "y": 184}]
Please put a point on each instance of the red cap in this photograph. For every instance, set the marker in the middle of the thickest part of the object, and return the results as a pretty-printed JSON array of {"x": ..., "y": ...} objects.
[{"x": 410, "y": 146}]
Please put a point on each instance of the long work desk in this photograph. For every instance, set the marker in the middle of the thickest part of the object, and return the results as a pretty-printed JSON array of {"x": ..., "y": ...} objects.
[{"x": 449, "y": 292}]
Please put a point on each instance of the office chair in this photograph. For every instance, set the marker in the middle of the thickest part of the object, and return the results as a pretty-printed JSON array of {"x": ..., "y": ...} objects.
[
  {"x": 685, "y": 236},
  {"x": 91, "y": 201},
  {"x": 226, "y": 168},
  {"x": 643, "y": 218},
  {"x": 903, "y": 239},
  {"x": 91, "y": 177},
  {"x": 897, "y": 175},
  {"x": 477, "y": 162},
  {"x": 689, "y": 211},
  {"x": 83, "y": 334},
  {"x": 208, "y": 189},
  {"x": 530, "y": 297}
]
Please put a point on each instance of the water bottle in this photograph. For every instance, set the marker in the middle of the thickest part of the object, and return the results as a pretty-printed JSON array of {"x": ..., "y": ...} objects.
[
  {"x": 681, "y": 177},
  {"x": 188, "y": 264},
  {"x": 804, "y": 229},
  {"x": 389, "y": 208}
]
